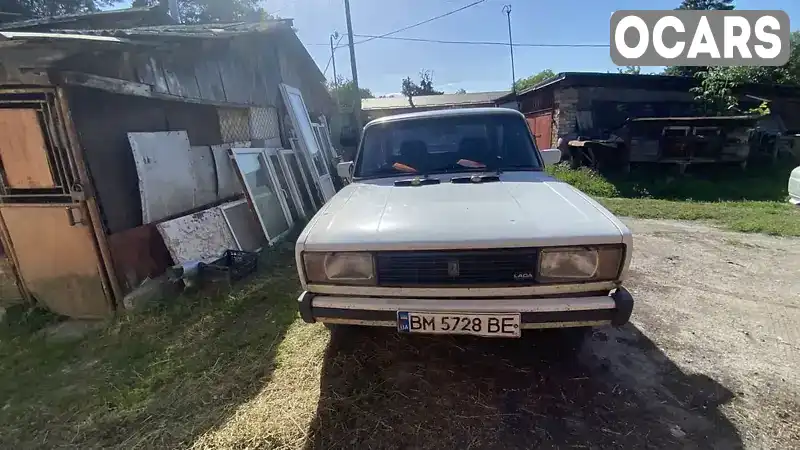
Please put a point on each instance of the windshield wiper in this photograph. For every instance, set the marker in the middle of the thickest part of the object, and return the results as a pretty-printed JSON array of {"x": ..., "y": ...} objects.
[
  {"x": 476, "y": 179},
  {"x": 417, "y": 181}
]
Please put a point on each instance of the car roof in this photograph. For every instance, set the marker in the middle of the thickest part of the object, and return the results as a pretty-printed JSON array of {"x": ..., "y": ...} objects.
[{"x": 455, "y": 112}]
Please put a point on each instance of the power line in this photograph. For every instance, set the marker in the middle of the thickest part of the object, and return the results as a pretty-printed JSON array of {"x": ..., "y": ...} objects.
[
  {"x": 504, "y": 44},
  {"x": 420, "y": 23},
  {"x": 331, "y": 58}
]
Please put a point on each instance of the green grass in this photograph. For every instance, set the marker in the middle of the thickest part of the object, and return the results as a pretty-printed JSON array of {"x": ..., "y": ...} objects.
[
  {"x": 154, "y": 379},
  {"x": 750, "y": 201}
]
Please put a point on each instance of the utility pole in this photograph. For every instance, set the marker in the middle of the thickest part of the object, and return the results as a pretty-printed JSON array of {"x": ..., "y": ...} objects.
[
  {"x": 357, "y": 91},
  {"x": 334, "y": 36},
  {"x": 507, "y": 10}
]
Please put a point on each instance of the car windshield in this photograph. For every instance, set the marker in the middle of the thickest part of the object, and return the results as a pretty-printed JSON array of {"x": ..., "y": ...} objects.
[{"x": 447, "y": 145}]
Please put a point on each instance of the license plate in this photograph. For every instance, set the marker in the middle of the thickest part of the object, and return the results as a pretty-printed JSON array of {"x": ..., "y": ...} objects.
[{"x": 490, "y": 325}]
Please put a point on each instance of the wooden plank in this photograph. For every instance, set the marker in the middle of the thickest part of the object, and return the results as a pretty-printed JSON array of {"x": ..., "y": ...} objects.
[
  {"x": 209, "y": 81},
  {"x": 182, "y": 74},
  {"x": 57, "y": 261},
  {"x": 114, "y": 85},
  {"x": 142, "y": 90},
  {"x": 160, "y": 84},
  {"x": 23, "y": 150}
]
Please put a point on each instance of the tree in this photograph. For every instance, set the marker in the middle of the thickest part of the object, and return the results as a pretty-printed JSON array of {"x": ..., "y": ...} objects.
[
  {"x": 209, "y": 11},
  {"x": 425, "y": 86},
  {"x": 707, "y": 5},
  {"x": 631, "y": 70},
  {"x": 461, "y": 91},
  {"x": 717, "y": 90},
  {"x": 27, "y": 9},
  {"x": 343, "y": 91},
  {"x": 525, "y": 83},
  {"x": 698, "y": 5}
]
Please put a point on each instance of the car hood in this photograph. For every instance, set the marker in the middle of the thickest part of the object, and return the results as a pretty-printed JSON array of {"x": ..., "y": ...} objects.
[{"x": 523, "y": 209}]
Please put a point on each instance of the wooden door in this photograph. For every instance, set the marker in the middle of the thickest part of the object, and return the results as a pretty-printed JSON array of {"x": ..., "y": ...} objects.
[
  {"x": 23, "y": 151},
  {"x": 57, "y": 259},
  {"x": 541, "y": 128}
]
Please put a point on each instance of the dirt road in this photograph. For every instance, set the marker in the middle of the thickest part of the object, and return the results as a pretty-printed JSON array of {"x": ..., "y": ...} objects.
[{"x": 710, "y": 361}]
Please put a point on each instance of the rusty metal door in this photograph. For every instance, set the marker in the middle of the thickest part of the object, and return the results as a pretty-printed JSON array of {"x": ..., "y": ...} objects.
[
  {"x": 541, "y": 128},
  {"x": 44, "y": 216},
  {"x": 56, "y": 258}
]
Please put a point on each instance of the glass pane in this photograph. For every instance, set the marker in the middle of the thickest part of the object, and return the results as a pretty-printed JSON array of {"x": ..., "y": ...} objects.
[
  {"x": 262, "y": 191},
  {"x": 284, "y": 183},
  {"x": 307, "y": 133},
  {"x": 291, "y": 161}
]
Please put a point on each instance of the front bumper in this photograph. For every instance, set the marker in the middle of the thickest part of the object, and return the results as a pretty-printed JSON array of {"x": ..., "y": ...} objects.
[{"x": 536, "y": 312}]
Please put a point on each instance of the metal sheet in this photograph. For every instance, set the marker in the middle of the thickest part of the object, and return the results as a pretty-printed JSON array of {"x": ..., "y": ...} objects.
[
  {"x": 138, "y": 253},
  {"x": 23, "y": 150},
  {"x": 58, "y": 262},
  {"x": 164, "y": 167},
  {"x": 204, "y": 175},
  {"x": 228, "y": 182},
  {"x": 244, "y": 225},
  {"x": 202, "y": 236}
]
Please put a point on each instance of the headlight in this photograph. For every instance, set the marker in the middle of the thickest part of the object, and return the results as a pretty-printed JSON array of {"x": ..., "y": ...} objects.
[
  {"x": 339, "y": 268},
  {"x": 579, "y": 264}
]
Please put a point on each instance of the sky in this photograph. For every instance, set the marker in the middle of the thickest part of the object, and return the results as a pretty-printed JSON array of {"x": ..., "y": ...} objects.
[{"x": 382, "y": 64}]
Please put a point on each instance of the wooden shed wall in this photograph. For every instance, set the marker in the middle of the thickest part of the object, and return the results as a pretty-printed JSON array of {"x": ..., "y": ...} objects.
[{"x": 103, "y": 121}]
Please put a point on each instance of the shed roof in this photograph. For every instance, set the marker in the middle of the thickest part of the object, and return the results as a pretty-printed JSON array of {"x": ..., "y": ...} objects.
[
  {"x": 432, "y": 101},
  {"x": 647, "y": 81},
  {"x": 129, "y": 17}
]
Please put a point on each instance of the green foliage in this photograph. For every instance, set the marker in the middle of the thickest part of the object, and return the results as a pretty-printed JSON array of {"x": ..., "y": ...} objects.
[
  {"x": 631, "y": 70},
  {"x": 707, "y": 5},
  {"x": 210, "y": 11},
  {"x": 533, "y": 80},
  {"x": 27, "y": 9},
  {"x": 425, "y": 86},
  {"x": 718, "y": 84},
  {"x": 343, "y": 90},
  {"x": 751, "y": 201}
]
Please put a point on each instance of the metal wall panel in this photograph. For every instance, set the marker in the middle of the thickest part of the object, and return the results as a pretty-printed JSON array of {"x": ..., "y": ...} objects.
[
  {"x": 229, "y": 184},
  {"x": 202, "y": 236},
  {"x": 163, "y": 164}
]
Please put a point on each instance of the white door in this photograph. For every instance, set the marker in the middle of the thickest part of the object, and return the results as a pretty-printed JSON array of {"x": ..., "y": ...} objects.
[
  {"x": 303, "y": 186},
  {"x": 286, "y": 183},
  {"x": 308, "y": 142},
  {"x": 264, "y": 192}
]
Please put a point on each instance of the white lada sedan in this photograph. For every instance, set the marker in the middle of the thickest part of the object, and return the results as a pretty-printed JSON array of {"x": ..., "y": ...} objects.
[{"x": 451, "y": 226}]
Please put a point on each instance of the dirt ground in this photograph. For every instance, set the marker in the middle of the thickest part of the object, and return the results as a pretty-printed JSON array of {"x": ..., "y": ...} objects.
[{"x": 709, "y": 361}]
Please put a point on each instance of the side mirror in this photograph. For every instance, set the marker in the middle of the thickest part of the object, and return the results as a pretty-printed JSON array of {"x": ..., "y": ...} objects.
[
  {"x": 345, "y": 170},
  {"x": 551, "y": 156}
]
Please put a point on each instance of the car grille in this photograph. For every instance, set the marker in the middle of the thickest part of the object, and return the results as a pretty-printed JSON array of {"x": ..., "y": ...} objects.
[{"x": 515, "y": 266}]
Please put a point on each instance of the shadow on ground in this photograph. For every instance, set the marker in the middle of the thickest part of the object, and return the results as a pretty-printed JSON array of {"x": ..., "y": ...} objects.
[
  {"x": 156, "y": 379},
  {"x": 383, "y": 390}
]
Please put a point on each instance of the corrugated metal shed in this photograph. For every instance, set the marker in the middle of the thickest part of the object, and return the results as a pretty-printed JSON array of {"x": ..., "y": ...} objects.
[{"x": 433, "y": 101}]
